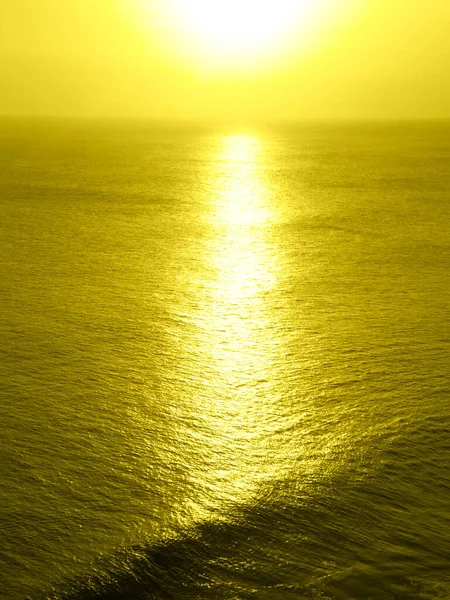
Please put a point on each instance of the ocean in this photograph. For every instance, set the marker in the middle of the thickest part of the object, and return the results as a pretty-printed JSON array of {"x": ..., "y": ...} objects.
[{"x": 225, "y": 360}]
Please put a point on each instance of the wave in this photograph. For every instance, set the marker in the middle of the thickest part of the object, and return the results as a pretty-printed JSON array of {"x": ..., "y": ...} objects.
[{"x": 347, "y": 540}]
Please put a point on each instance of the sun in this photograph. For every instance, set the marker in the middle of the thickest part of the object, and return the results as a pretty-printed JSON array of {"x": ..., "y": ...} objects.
[
  {"x": 235, "y": 26},
  {"x": 234, "y": 32}
]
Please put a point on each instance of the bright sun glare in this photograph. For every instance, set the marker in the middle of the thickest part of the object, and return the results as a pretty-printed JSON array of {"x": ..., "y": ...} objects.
[{"x": 236, "y": 31}]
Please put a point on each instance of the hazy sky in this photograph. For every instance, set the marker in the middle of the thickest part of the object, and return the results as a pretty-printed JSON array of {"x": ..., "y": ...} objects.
[{"x": 360, "y": 58}]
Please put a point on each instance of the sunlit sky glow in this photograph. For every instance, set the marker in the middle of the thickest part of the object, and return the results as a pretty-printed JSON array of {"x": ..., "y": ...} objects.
[{"x": 194, "y": 59}]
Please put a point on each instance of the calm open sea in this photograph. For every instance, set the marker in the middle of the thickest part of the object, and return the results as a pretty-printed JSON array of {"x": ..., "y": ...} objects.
[{"x": 225, "y": 361}]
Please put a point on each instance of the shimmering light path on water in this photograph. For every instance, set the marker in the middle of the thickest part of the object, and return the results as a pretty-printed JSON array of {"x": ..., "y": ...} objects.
[
  {"x": 226, "y": 353},
  {"x": 233, "y": 322}
]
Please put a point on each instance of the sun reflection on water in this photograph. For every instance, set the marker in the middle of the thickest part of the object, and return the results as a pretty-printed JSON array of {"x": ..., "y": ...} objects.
[
  {"x": 239, "y": 338},
  {"x": 240, "y": 419},
  {"x": 242, "y": 200},
  {"x": 243, "y": 260}
]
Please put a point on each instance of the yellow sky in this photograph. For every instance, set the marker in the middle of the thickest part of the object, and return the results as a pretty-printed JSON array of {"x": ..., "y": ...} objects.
[{"x": 356, "y": 59}]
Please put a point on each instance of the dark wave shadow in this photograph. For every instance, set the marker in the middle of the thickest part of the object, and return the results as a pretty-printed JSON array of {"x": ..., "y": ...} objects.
[
  {"x": 221, "y": 558},
  {"x": 255, "y": 547},
  {"x": 342, "y": 539}
]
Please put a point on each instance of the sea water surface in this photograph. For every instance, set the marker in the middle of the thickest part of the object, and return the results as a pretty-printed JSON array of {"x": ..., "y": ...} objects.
[{"x": 225, "y": 361}]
